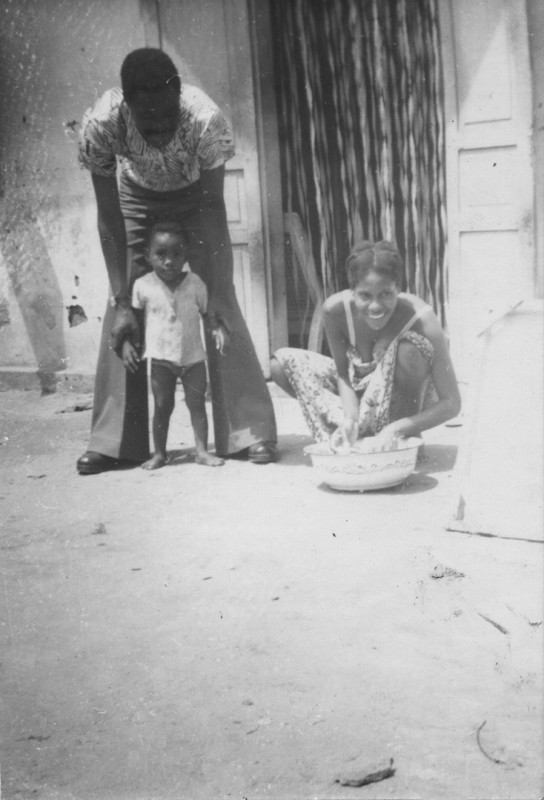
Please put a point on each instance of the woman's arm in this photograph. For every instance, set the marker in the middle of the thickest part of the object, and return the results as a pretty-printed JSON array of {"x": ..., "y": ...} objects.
[
  {"x": 111, "y": 229},
  {"x": 448, "y": 404},
  {"x": 338, "y": 345}
]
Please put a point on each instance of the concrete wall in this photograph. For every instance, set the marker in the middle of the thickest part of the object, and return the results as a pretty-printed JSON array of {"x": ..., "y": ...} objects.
[{"x": 56, "y": 56}]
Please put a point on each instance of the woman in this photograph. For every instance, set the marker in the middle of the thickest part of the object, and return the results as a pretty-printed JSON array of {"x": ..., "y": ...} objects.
[
  {"x": 391, "y": 375},
  {"x": 169, "y": 143}
]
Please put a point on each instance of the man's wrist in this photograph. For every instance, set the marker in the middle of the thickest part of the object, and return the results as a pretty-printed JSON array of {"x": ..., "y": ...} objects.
[{"x": 120, "y": 301}]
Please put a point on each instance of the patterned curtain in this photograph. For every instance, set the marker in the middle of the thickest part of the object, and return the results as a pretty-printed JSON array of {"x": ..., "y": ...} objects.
[{"x": 359, "y": 88}]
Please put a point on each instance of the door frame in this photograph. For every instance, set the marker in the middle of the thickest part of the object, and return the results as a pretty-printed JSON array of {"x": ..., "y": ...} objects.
[
  {"x": 269, "y": 160},
  {"x": 266, "y": 116}
]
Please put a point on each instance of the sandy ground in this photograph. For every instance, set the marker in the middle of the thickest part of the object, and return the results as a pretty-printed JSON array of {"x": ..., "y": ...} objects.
[{"x": 245, "y": 633}]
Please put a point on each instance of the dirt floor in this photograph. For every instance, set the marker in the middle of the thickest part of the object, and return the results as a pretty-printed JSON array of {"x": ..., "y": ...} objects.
[{"x": 243, "y": 632}]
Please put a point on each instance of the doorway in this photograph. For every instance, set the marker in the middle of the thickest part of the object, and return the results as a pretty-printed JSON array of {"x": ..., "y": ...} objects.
[{"x": 361, "y": 130}]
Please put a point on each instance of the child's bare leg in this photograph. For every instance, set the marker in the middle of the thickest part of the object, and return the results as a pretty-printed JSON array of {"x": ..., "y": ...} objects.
[
  {"x": 194, "y": 386},
  {"x": 163, "y": 385}
]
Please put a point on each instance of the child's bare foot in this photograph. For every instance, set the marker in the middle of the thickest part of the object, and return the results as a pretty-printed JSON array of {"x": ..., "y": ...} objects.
[
  {"x": 155, "y": 462},
  {"x": 208, "y": 459}
]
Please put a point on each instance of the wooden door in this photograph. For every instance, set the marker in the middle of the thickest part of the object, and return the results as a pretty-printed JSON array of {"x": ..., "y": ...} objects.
[
  {"x": 209, "y": 40},
  {"x": 489, "y": 177}
]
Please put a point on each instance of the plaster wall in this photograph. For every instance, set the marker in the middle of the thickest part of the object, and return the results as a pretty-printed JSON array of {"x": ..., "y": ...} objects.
[
  {"x": 535, "y": 24},
  {"x": 56, "y": 56}
]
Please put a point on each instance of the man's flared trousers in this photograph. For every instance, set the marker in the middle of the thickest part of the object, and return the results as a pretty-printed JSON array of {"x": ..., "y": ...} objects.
[{"x": 241, "y": 405}]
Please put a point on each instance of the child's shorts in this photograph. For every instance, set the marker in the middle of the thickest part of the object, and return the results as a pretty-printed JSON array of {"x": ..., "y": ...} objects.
[{"x": 159, "y": 366}]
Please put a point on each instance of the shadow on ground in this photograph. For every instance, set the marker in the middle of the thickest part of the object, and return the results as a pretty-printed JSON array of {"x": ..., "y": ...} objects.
[{"x": 437, "y": 458}]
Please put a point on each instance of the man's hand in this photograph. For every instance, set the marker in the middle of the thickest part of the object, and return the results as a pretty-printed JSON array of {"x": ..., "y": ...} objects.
[
  {"x": 124, "y": 325},
  {"x": 130, "y": 356}
]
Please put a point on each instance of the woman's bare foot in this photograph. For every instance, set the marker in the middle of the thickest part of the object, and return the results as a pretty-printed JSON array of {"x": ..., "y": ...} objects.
[
  {"x": 208, "y": 460},
  {"x": 155, "y": 462}
]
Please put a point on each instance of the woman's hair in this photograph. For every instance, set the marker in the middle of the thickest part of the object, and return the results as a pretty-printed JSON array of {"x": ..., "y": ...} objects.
[
  {"x": 148, "y": 70},
  {"x": 165, "y": 226},
  {"x": 381, "y": 257}
]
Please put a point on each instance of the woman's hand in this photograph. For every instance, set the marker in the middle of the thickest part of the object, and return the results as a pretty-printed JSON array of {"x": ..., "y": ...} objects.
[
  {"x": 344, "y": 436},
  {"x": 388, "y": 438},
  {"x": 130, "y": 356}
]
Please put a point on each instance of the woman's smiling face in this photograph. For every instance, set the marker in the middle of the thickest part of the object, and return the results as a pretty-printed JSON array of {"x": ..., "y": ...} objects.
[{"x": 376, "y": 297}]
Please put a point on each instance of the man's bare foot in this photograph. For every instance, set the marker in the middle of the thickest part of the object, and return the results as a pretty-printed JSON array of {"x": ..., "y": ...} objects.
[
  {"x": 155, "y": 462},
  {"x": 208, "y": 459}
]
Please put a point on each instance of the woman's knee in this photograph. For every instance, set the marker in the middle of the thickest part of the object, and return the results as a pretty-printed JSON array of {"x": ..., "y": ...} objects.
[
  {"x": 411, "y": 366},
  {"x": 276, "y": 369},
  {"x": 278, "y": 375}
]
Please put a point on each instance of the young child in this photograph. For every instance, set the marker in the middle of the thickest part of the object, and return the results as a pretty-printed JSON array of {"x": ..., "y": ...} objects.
[{"x": 173, "y": 298}]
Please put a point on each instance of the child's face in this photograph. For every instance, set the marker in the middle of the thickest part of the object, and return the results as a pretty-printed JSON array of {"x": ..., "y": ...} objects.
[{"x": 167, "y": 255}]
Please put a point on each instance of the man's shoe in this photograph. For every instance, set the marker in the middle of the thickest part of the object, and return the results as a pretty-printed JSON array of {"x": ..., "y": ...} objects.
[
  {"x": 263, "y": 453},
  {"x": 92, "y": 463}
]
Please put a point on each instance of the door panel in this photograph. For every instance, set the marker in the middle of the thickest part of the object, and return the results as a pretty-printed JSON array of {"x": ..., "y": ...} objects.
[
  {"x": 236, "y": 204},
  {"x": 490, "y": 183}
]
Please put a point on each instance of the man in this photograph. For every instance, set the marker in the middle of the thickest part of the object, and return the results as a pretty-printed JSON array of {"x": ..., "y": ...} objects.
[{"x": 168, "y": 143}]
